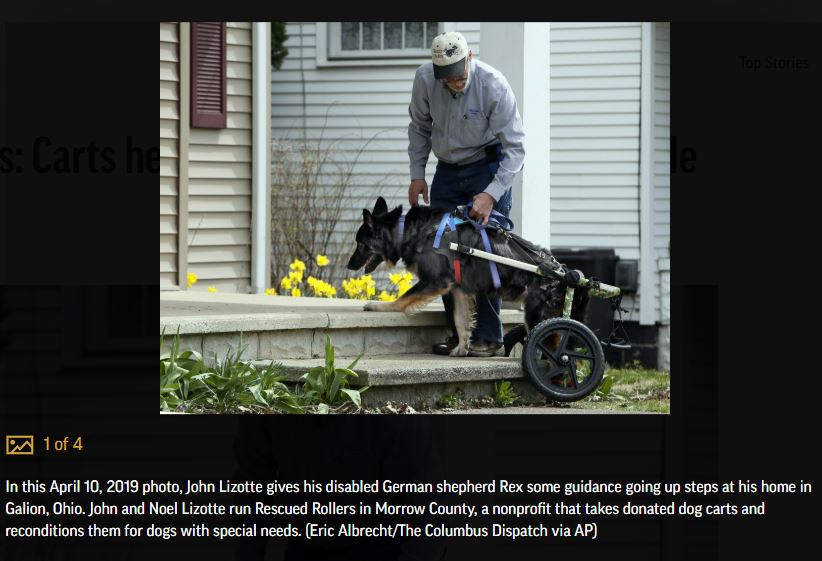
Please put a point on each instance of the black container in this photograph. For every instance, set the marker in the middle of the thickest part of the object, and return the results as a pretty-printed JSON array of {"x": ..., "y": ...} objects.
[{"x": 595, "y": 262}]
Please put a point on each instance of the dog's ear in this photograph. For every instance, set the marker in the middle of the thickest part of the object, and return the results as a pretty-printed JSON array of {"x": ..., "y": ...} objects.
[
  {"x": 381, "y": 207},
  {"x": 367, "y": 218},
  {"x": 394, "y": 215}
]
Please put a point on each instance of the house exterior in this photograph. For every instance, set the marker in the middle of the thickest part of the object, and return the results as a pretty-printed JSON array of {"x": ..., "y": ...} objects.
[
  {"x": 214, "y": 180},
  {"x": 595, "y": 101}
]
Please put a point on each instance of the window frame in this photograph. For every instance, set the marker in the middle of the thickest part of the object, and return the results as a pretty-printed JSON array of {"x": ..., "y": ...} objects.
[{"x": 330, "y": 54}]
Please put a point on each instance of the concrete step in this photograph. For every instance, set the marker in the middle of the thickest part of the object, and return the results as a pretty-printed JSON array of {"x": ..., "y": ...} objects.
[
  {"x": 396, "y": 362},
  {"x": 284, "y": 328},
  {"x": 422, "y": 378}
]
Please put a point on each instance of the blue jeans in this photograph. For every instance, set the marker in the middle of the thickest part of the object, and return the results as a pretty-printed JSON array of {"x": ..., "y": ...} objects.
[{"x": 453, "y": 186}]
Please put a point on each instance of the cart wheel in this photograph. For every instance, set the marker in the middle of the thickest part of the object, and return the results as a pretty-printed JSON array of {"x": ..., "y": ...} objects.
[{"x": 564, "y": 359}]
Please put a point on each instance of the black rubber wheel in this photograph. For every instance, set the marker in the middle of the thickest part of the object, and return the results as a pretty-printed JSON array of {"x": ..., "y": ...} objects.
[{"x": 563, "y": 359}]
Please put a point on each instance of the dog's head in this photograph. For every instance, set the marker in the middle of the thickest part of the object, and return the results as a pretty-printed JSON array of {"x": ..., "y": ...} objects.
[{"x": 375, "y": 237}]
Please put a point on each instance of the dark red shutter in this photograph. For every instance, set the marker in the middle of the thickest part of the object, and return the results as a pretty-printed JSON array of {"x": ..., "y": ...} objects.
[{"x": 208, "y": 70}]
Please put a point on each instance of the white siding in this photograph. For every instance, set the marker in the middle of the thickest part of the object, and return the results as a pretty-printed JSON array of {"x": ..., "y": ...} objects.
[
  {"x": 169, "y": 151},
  {"x": 661, "y": 212},
  {"x": 347, "y": 107},
  {"x": 595, "y": 130},
  {"x": 595, "y": 88},
  {"x": 219, "y": 187}
]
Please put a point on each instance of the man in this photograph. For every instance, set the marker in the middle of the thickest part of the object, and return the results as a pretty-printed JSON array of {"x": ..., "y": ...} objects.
[{"x": 464, "y": 110}]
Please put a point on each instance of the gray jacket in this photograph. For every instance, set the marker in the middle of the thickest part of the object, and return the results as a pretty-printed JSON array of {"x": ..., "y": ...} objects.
[{"x": 459, "y": 126}]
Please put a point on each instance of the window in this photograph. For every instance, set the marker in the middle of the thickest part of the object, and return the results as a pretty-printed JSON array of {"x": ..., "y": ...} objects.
[{"x": 381, "y": 39}]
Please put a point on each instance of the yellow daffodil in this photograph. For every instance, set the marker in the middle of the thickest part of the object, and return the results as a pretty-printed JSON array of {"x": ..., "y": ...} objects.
[
  {"x": 271, "y": 291},
  {"x": 322, "y": 260},
  {"x": 321, "y": 288},
  {"x": 403, "y": 287},
  {"x": 192, "y": 279},
  {"x": 212, "y": 289},
  {"x": 286, "y": 283},
  {"x": 297, "y": 265},
  {"x": 296, "y": 292},
  {"x": 361, "y": 288}
]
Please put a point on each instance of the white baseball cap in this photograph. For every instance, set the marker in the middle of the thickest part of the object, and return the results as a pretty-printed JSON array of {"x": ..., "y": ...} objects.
[{"x": 448, "y": 52}]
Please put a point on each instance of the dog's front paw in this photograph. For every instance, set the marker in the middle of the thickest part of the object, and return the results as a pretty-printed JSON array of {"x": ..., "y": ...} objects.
[
  {"x": 372, "y": 307},
  {"x": 459, "y": 351}
]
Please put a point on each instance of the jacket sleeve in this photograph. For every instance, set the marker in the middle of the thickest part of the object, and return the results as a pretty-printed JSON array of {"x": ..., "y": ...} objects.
[
  {"x": 419, "y": 129},
  {"x": 506, "y": 125}
]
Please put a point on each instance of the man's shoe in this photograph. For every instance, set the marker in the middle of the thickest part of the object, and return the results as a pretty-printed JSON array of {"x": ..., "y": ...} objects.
[
  {"x": 446, "y": 347},
  {"x": 483, "y": 348}
]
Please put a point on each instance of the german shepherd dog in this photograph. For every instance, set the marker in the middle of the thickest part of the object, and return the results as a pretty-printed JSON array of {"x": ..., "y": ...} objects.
[{"x": 379, "y": 239}]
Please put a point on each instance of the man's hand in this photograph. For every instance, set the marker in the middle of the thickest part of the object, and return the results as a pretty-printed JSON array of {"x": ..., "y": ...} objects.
[
  {"x": 482, "y": 207},
  {"x": 417, "y": 187}
]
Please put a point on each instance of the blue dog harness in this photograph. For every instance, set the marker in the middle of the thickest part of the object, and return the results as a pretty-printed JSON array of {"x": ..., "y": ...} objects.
[
  {"x": 450, "y": 221},
  {"x": 498, "y": 219},
  {"x": 447, "y": 220}
]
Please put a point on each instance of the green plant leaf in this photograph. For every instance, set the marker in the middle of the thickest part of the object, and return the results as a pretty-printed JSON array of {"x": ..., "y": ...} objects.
[
  {"x": 605, "y": 387},
  {"x": 240, "y": 347},
  {"x": 192, "y": 355},
  {"x": 346, "y": 372},
  {"x": 356, "y": 360},
  {"x": 215, "y": 381},
  {"x": 315, "y": 379},
  {"x": 339, "y": 379},
  {"x": 287, "y": 406},
  {"x": 174, "y": 373},
  {"x": 354, "y": 396},
  {"x": 329, "y": 353},
  {"x": 255, "y": 391}
]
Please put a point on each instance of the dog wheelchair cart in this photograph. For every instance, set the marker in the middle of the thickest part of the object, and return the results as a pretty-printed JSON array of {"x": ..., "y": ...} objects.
[{"x": 561, "y": 356}]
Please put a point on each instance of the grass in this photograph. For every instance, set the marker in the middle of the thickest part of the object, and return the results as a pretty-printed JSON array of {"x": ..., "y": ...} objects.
[
  {"x": 633, "y": 389},
  {"x": 625, "y": 389},
  {"x": 504, "y": 394},
  {"x": 454, "y": 400}
]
